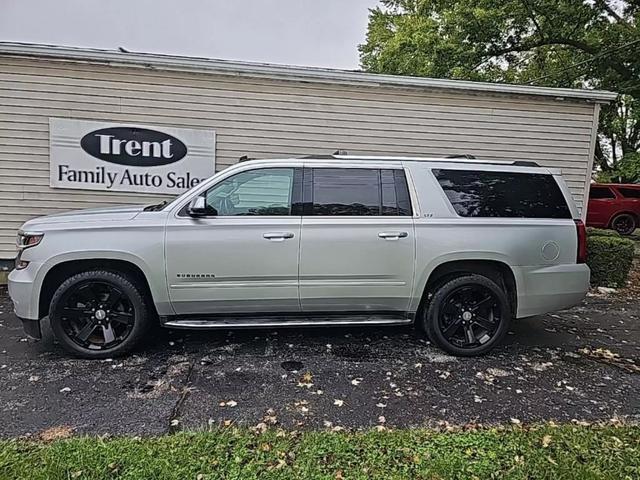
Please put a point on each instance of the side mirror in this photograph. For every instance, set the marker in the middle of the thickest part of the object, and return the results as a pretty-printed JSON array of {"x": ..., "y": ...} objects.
[{"x": 198, "y": 208}]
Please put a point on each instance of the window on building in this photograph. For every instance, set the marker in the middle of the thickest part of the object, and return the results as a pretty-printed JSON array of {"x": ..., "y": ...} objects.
[
  {"x": 600, "y": 193},
  {"x": 265, "y": 191},
  {"x": 475, "y": 193},
  {"x": 359, "y": 192}
]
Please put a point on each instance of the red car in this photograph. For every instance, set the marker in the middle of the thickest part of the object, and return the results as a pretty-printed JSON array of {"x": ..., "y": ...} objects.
[{"x": 615, "y": 206}]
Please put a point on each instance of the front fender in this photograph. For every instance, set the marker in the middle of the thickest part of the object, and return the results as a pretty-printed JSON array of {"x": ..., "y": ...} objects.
[{"x": 154, "y": 274}]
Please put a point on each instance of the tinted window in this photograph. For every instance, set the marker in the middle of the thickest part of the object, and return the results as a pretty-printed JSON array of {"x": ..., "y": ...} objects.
[
  {"x": 601, "y": 192},
  {"x": 265, "y": 191},
  {"x": 630, "y": 192},
  {"x": 503, "y": 194},
  {"x": 356, "y": 192},
  {"x": 395, "y": 193}
]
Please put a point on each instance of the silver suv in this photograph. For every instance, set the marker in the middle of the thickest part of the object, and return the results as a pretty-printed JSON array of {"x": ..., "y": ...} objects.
[{"x": 459, "y": 247}]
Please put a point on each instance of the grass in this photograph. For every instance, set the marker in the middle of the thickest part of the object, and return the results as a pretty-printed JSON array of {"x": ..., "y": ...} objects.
[{"x": 543, "y": 452}]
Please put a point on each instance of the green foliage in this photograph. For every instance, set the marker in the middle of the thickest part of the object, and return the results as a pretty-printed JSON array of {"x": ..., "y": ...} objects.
[
  {"x": 627, "y": 170},
  {"x": 610, "y": 259},
  {"x": 601, "y": 232},
  {"x": 560, "y": 43},
  {"x": 567, "y": 452}
]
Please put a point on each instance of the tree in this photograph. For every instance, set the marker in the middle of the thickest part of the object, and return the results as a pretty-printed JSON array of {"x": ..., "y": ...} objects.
[{"x": 559, "y": 43}]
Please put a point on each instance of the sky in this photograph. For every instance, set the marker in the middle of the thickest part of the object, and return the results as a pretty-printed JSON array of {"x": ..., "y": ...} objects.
[{"x": 321, "y": 33}]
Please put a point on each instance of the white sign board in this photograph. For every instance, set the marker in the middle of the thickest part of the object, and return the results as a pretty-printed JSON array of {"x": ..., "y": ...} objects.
[{"x": 128, "y": 157}]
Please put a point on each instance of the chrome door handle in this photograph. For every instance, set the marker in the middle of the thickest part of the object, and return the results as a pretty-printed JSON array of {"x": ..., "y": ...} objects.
[
  {"x": 277, "y": 236},
  {"x": 393, "y": 235}
]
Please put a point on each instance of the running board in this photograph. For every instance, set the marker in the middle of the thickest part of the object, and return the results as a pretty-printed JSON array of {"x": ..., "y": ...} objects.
[{"x": 285, "y": 321}]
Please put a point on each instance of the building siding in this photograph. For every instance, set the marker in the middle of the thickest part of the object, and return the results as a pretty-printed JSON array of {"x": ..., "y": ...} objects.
[{"x": 260, "y": 118}]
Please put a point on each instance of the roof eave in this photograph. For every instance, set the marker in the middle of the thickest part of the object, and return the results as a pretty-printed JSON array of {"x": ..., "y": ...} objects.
[{"x": 288, "y": 72}]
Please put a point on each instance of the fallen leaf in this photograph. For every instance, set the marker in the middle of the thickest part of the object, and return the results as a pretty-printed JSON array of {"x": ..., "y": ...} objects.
[
  {"x": 56, "y": 433},
  {"x": 546, "y": 441},
  {"x": 338, "y": 402},
  {"x": 515, "y": 421}
]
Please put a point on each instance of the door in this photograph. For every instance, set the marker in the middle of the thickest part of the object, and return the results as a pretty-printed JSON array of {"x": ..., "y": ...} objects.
[
  {"x": 357, "y": 243},
  {"x": 243, "y": 256},
  {"x": 602, "y": 205}
]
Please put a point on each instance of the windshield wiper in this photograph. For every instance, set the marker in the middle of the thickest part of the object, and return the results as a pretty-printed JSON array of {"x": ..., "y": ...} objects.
[{"x": 156, "y": 207}]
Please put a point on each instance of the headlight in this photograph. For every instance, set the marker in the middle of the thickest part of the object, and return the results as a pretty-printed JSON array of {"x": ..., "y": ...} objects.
[{"x": 28, "y": 239}]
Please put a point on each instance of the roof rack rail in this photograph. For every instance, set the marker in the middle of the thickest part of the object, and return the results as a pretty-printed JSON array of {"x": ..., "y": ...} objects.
[
  {"x": 463, "y": 155},
  {"x": 525, "y": 163},
  {"x": 343, "y": 153},
  {"x": 319, "y": 157}
]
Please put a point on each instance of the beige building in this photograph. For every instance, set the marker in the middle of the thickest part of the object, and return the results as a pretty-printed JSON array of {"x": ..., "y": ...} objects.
[{"x": 231, "y": 109}]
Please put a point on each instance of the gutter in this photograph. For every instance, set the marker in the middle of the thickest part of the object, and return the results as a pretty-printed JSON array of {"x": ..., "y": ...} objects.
[{"x": 201, "y": 65}]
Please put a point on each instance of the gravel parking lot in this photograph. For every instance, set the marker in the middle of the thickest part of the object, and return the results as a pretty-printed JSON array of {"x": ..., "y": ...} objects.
[{"x": 581, "y": 364}]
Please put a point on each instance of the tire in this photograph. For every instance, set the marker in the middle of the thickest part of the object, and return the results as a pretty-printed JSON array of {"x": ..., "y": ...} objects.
[
  {"x": 451, "y": 313},
  {"x": 624, "y": 223},
  {"x": 99, "y": 304}
]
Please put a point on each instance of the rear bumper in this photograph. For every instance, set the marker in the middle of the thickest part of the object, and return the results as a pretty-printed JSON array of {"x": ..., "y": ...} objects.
[{"x": 546, "y": 289}]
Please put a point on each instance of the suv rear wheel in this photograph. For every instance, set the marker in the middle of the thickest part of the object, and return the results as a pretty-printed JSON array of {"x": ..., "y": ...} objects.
[
  {"x": 468, "y": 315},
  {"x": 624, "y": 224},
  {"x": 98, "y": 314}
]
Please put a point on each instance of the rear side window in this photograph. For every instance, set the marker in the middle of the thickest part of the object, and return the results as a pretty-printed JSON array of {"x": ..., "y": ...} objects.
[
  {"x": 600, "y": 193},
  {"x": 474, "y": 193},
  {"x": 629, "y": 192},
  {"x": 356, "y": 192}
]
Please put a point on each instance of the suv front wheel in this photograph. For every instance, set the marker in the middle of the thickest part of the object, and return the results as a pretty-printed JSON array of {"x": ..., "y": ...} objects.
[
  {"x": 468, "y": 315},
  {"x": 98, "y": 314}
]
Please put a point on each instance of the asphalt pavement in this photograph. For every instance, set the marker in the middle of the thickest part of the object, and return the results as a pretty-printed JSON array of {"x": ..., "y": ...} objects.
[{"x": 581, "y": 364}]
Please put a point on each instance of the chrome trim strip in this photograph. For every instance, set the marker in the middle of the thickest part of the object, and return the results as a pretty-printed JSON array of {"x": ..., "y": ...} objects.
[
  {"x": 204, "y": 324},
  {"x": 233, "y": 284}
]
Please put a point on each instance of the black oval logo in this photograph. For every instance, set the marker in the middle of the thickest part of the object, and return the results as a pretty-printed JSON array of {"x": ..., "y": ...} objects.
[{"x": 132, "y": 146}]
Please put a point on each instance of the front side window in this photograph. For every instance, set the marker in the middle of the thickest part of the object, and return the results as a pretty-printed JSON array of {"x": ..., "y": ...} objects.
[
  {"x": 600, "y": 193},
  {"x": 356, "y": 192},
  {"x": 474, "y": 193},
  {"x": 265, "y": 191}
]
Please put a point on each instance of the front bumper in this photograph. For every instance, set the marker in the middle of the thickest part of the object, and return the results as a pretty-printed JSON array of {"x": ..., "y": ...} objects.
[
  {"x": 32, "y": 328},
  {"x": 23, "y": 294}
]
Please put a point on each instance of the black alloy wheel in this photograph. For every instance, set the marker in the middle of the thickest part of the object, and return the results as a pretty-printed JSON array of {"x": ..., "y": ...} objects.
[
  {"x": 468, "y": 315},
  {"x": 624, "y": 224},
  {"x": 98, "y": 314}
]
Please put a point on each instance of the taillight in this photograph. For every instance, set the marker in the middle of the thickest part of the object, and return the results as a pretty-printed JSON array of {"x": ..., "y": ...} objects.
[{"x": 581, "y": 257}]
